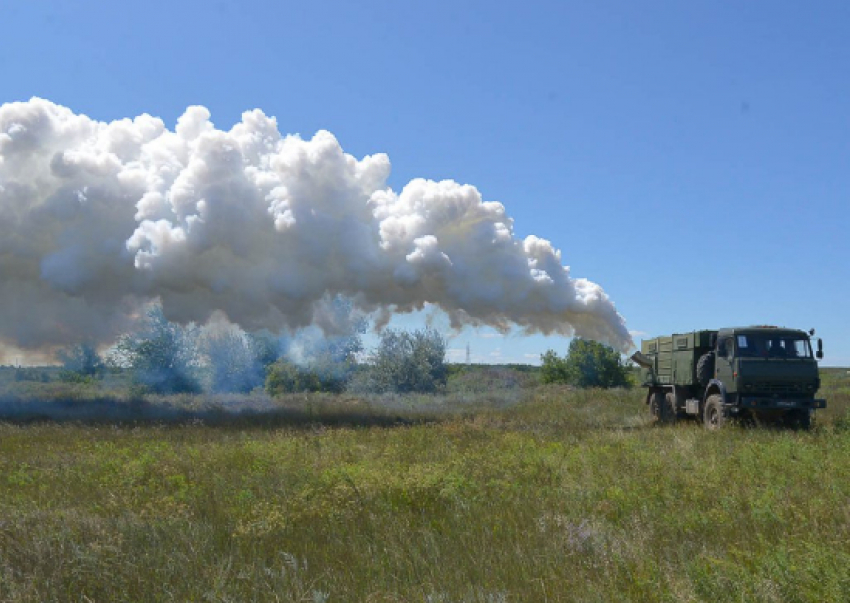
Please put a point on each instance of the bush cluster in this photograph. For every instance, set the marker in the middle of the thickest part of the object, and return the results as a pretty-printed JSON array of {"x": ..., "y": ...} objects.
[
  {"x": 162, "y": 355},
  {"x": 406, "y": 361},
  {"x": 587, "y": 364},
  {"x": 285, "y": 377},
  {"x": 167, "y": 358}
]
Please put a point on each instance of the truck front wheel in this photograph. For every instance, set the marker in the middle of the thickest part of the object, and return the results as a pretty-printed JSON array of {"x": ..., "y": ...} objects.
[{"x": 715, "y": 416}]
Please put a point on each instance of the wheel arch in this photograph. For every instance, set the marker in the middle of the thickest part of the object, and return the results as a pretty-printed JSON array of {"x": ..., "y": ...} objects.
[
  {"x": 656, "y": 389},
  {"x": 715, "y": 387}
]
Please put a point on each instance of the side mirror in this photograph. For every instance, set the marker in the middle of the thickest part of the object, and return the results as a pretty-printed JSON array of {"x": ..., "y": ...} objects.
[
  {"x": 712, "y": 341},
  {"x": 819, "y": 353}
]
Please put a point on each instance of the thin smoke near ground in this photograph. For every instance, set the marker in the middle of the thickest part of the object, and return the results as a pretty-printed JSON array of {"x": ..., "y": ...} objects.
[{"x": 100, "y": 218}]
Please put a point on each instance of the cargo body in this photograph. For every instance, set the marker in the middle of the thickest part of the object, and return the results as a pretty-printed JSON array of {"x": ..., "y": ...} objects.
[{"x": 758, "y": 373}]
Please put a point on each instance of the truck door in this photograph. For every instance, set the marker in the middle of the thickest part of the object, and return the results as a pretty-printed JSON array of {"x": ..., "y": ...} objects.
[{"x": 724, "y": 364}]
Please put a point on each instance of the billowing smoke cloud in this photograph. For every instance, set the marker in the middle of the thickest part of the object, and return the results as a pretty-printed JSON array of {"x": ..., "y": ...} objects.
[{"x": 97, "y": 218}]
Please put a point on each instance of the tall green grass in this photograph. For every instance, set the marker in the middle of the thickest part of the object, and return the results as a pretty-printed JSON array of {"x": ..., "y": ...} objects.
[{"x": 542, "y": 494}]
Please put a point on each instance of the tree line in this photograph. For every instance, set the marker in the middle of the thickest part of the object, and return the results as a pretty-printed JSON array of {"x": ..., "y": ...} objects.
[
  {"x": 586, "y": 364},
  {"x": 164, "y": 357}
]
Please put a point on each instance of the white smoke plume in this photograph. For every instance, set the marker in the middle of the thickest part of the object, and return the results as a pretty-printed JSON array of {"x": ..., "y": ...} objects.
[{"x": 97, "y": 218}]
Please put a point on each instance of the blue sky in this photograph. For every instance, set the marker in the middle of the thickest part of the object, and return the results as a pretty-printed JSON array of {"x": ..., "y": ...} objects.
[{"x": 692, "y": 158}]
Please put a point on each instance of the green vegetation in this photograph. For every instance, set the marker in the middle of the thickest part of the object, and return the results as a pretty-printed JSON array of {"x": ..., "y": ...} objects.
[
  {"x": 233, "y": 364},
  {"x": 528, "y": 493},
  {"x": 31, "y": 374},
  {"x": 404, "y": 362},
  {"x": 587, "y": 364},
  {"x": 163, "y": 355},
  {"x": 321, "y": 375},
  {"x": 164, "y": 358},
  {"x": 80, "y": 362}
]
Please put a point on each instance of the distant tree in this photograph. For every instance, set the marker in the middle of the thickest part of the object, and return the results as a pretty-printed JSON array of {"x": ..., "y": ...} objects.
[
  {"x": 80, "y": 361},
  {"x": 265, "y": 348},
  {"x": 406, "y": 361},
  {"x": 587, "y": 364},
  {"x": 231, "y": 361},
  {"x": 554, "y": 368},
  {"x": 162, "y": 355}
]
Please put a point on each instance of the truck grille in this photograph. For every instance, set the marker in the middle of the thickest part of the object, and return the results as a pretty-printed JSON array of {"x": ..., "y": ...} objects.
[{"x": 778, "y": 387}]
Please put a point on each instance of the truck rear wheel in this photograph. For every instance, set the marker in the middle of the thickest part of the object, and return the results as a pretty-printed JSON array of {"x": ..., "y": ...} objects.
[
  {"x": 670, "y": 402},
  {"x": 659, "y": 409},
  {"x": 715, "y": 416}
]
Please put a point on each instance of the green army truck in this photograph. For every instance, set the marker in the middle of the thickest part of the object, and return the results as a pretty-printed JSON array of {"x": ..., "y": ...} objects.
[{"x": 762, "y": 373}]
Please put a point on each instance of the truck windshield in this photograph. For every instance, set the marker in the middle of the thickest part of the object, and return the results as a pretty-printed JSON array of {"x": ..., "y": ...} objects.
[{"x": 766, "y": 346}]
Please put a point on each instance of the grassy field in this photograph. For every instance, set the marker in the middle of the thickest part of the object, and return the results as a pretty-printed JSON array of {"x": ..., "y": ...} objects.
[{"x": 521, "y": 493}]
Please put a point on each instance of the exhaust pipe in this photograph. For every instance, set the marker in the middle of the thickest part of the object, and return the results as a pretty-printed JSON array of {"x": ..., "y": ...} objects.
[{"x": 642, "y": 360}]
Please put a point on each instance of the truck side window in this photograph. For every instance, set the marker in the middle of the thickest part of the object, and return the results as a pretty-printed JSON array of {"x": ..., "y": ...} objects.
[{"x": 747, "y": 346}]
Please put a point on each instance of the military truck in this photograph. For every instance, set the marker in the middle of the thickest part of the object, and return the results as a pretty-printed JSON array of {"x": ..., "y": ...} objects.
[{"x": 760, "y": 373}]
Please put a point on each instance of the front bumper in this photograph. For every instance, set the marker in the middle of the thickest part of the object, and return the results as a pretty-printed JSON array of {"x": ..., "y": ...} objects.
[{"x": 781, "y": 403}]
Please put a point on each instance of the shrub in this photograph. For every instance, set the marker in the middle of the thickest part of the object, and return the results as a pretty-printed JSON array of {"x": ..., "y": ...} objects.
[
  {"x": 232, "y": 361},
  {"x": 554, "y": 368},
  {"x": 265, "y": 348},
  {"x": 66, "y": 376},
  {"x": 284, "y": 377},
  {"x": 406, "y": 362},
  {"x": 162, "y": 355},
  {"x": 587, "y": 364},
  {"x": 80, "y": 362},
  {"x": 320, "y": 358}
]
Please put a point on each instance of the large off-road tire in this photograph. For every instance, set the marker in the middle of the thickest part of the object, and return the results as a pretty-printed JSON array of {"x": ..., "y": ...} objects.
[
  {"x": 798, "y": 419},
  {"x": 715, "y": 416},
  {"x": 659, "y": 409},
  {"x": 705, "y": 368}
]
